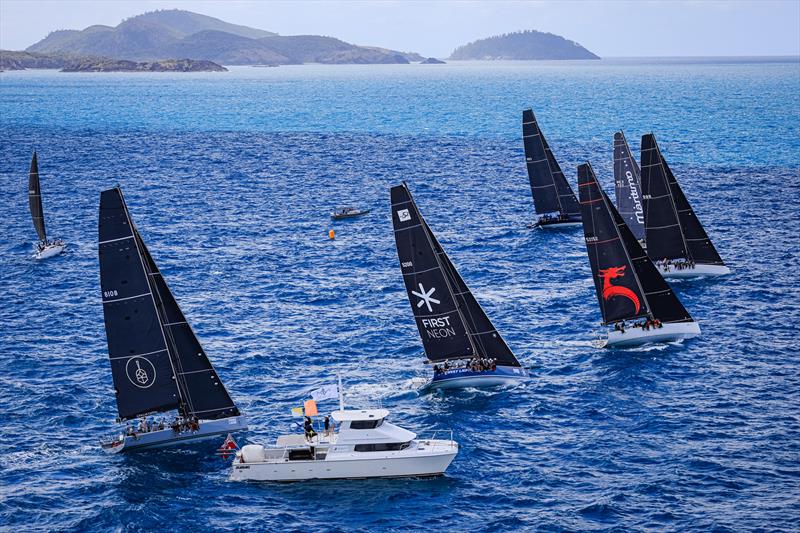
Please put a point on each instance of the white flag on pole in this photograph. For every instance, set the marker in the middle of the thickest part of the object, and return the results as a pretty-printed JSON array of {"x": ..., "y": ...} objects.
[{"x": 327, "y": 392}]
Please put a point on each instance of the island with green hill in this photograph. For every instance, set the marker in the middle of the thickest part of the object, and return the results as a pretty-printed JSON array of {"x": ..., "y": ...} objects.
[
  {"x": 522, "y": 45},
  {"x": 168, "y": 34}
]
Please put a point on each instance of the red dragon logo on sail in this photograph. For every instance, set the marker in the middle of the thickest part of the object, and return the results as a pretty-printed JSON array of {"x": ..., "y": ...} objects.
[{"x": 609, "y": 290}]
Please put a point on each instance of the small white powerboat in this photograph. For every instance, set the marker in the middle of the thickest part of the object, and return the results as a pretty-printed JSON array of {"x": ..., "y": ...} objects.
[
  {"x": 348, "y": 212},
  {"x": 365, "y": 446}
]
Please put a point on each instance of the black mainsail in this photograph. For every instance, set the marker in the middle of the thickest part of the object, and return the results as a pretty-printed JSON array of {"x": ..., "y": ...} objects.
[
  {"x": 451, "y": 322},
  {"x": 628, "y": 188},
  {"x": 550, "y": 190},
  {"x": 157, "y": 363},
  {"x": 627, "y": 282},
  {"x": 672, "y": 228},
  {"x": 35, "y": 199}
]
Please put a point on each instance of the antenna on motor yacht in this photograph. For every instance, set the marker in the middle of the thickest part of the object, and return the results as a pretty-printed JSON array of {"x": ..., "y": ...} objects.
[{"x": 341, "y": 392}]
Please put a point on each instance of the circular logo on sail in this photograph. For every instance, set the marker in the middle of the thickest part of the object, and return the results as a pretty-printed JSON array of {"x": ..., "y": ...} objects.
[{"x": 140, "y": 372}]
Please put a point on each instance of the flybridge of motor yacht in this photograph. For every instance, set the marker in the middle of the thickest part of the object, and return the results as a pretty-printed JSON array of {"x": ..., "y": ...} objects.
[{"x": 365, "y": 445}]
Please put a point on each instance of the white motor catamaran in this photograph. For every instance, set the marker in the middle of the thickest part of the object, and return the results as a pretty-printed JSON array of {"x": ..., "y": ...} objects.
[
  {"x": 553, "y": 198},
  {"x": 44, "y": 248},
  {"x": 676, "y": 241},
  {"x": 363, "y": 445},
  {"x": 629, "y": 287},
  {"x": 157, "y": 363},
  {"x": 459, "y": 339}
]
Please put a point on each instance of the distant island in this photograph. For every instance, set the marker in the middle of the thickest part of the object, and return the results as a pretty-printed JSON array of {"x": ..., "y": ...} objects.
[
  {"x": 24, "y": 60},
  {"x": 433, "y": 61},
  {"x": 529, "y": 44},
  {"x": 168, "y": 34},
  {"x": 122, "y": 65}
]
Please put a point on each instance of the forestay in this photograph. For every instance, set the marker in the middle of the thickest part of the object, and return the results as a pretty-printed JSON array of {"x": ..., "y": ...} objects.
[
  {"x": 35, "y": 199},
  {"x": 550, "y": 190},
  {"x": 627, "y": 283},
  {"x": 627, "y": 181}
]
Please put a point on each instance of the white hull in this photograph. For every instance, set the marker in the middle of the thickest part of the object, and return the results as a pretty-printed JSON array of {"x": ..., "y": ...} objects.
[
  {"x": 424, "y": 459},
  {"x": 49, "y": 251},
  {"x": 695, "y": 272},
  {"x": 209, "y": 429},
  {"x": 560, "y": 225},
  {"x": 666, "y": 333},
  {"x": 462, "y": 378}
]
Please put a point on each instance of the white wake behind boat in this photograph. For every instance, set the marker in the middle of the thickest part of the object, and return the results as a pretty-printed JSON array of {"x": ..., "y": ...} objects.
[
  {"x": 693, "y": 271},
  {"x": 45, "y": 248},
  {"x": 635, "y": 336},
  {"x": 365, "y": 446}
]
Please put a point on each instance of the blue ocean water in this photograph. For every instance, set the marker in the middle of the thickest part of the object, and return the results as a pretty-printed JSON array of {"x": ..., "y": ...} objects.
[{"x": 231, "y": 177}]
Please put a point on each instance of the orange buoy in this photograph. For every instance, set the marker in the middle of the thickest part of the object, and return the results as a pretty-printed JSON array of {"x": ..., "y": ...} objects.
[{"x": 331, "y": 234}]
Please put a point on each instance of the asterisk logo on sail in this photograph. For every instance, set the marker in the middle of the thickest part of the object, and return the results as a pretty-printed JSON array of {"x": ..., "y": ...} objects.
[{"x": 426, "y": 297}]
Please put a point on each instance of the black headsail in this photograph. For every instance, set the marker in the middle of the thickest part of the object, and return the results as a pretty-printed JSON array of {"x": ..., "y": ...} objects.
[
  {"x": 628, "y": 285},
  {"x": 35, "y": 199},
  {"x": 673, "y": 231},
  {"x": 204, "y": 393},
  {"x": 550, "y": 190},
  {"x": 451, "y": 323},
  {"x": 628, "y": 188},
  {"x": 699, "y": 246},
  {"x": 156, "y": 361}
]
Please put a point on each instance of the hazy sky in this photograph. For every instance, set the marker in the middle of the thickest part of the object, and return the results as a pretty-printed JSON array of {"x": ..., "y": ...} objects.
[{"x": 608, "y": 28}]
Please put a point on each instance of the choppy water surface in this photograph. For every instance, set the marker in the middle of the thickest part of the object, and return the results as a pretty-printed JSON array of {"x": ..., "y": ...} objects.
[{"x": 231, "y": 177}]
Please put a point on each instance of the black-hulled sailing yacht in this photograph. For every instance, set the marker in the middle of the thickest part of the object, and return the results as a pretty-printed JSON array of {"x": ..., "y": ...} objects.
[
  {"x": 157, "y": 363},
  {"x": 458, "y": 337},
  {"x": 632, "y": 294},
  {"x": 628, "y": 187},
  {"x": 44, "y": 248},
  {"x": 676, "y": 240},
  {"x": 553, "y": 198}
]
